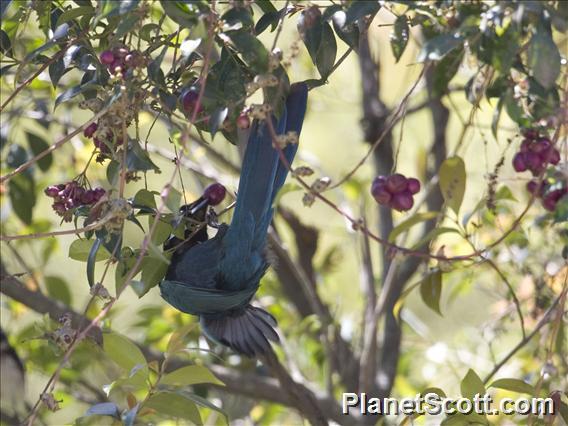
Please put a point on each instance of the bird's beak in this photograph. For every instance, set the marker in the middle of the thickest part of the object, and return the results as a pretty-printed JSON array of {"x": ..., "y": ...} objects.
[{"x": 199, "y": 206}]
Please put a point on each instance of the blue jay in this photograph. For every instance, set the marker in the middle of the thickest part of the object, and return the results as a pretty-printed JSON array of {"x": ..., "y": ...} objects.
[{"x": 216, "y": 278}]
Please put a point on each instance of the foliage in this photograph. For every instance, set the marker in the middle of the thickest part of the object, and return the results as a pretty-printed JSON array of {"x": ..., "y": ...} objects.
[{"x": 84, "y": 83}]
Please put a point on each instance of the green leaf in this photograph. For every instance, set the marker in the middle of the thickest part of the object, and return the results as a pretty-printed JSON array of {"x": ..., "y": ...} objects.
[
  {"x": 348, "y": 33},
  {"x": 471, "y": 385},
  {"x": 172, "y": 199},
  {"x": 438, "y": 47},
  {"x": 311, "y": 31},
  {"x": 80, "y": 249},
  {"x": 238, "y": 17},
  {"x": 38, "y": 145},
  {"x": 154, "y": 68},
  {"x": 431, "y": 291},
  {"x": 216, "y": 120},
  {"x": 153, "y": 271},
  {"x": 325, "y": 58},
  {"x": 21, "y": 190},
  {"x": 408, "y": 223},
  {"x": 137, "y": 159},
  {"x": 145, "y": 198},
  {"x": 544, "y": 59},
  {"x": 162, "y": 231},
  {"x": 5, "y": 44},
  {"x": 91, "y": 261},
  {"x": 444, "y": 71},
  {"x": 514, "y": 385},
  {"x": 17, "y": 155},
  {"x": 184, "y": 14},
  {"x": 432, "y": 235},
  {"x": 72, "y": 92},
  {"x": 190, "y": 375},
  {"x": 110, "y": 8},
  {"x": 252, "y": 50},
  {"x": 123, "y": 352},
  {"x": 104, "y": 409},
  {"x": 452, "y": 182},
  {"x": 113, "y": 172},
  {"x": 74, "y": 13},
  {"x": 358, "y": 9},
  {"x": 174, "y": 405},
  {"x": 176, "y": 341},
  {"x": 399, "y": 36},
  {"x": 57, "y": 289}
]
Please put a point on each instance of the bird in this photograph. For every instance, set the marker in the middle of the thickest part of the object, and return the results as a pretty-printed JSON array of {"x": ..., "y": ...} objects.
[{"x": 216, "y": 279}]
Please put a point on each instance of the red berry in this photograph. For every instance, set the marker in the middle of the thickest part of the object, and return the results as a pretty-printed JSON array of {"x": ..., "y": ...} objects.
[
  {"x": 90, "y": 130},
  {"x": 243, "y": 121},
  {"x": 107, "y": 57},
  {"x": 519, "y": 162},
  {"x": 413, "y": 185},
  {"x": 396, "y": 183},
  {"x": 214, "y": 193},
  {"x": 402, "y": 201}
]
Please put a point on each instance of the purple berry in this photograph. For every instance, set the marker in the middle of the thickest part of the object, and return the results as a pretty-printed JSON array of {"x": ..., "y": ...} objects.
[
  {"x": 121, "y": 52},
  {"x": 413, "y": 185},
  {"x": 541, "y": 146},
  {"x": 51, "y": 191},
  {"x": 107, "y": 57},
  {"x": 530, "y": 134},
  {"x": 214, "y": 193},
  {"x": 396, "y": 183},
  {"x": 533, "y": 187},
  {"x": 381, "y": 195},
  {"x": 98, "y": 193},
  {"x": 402, "y": 201},
  {"x": 189, "y": 101},
  {"x": 525, "y": 146},
  {"x": 533, "y": 161},
  {"x": 90, "y": 130},
  {"x": 553, "y": 156},
  {"x": 519, "y": 162},
  {"x": 549, "y": 203}
]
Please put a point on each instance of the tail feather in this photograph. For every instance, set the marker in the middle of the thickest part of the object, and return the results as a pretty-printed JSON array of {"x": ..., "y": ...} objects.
[
  {"x": 247, "y": 331},
  {"x": 296, "y": 105}
]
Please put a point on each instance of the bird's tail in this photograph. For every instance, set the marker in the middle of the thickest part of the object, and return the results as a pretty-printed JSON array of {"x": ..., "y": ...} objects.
[{"x": 247, "y": 330}]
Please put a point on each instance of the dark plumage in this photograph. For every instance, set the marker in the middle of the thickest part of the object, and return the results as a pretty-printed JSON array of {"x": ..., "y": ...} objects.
[{"x": 217, "y": 278}]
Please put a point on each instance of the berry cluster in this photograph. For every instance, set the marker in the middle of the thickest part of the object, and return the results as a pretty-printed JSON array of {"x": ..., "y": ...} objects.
[
  {"x": 70, "y": 195},
  {"x": 395, "y": 191},
  {"x": 120, "y": 61},
  {"x": 103, "y": 138},
  {"x": 549, "y": 191},
  {"x": 535, "y": 154}
]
